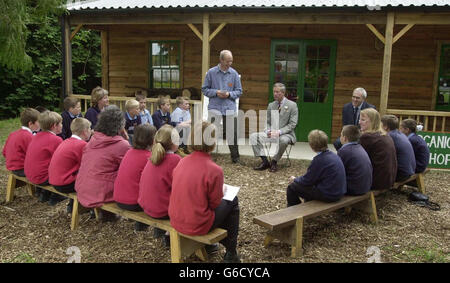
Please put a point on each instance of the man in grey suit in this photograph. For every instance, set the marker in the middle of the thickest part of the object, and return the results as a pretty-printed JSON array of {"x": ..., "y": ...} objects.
[{"x": 282, "y": 117}]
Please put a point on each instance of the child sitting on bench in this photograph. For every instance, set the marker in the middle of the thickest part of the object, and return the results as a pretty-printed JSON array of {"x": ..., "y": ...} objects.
[
  {"x": 66, "y": 160},
  {"x": 155, "y": 185},
  {"x": 132, "y": 117},
  {"x": 421, "y": 151},
  {"x": 72, "y": 107},
  {"x": 162, "y": 117},
  {"x": 126, "y": 186},
  {"x": 17, "y": 143},
  {"x": 40, "y": 152},
  {"x": 358, "y": 168},
  {"x": 325, "y": 178}
]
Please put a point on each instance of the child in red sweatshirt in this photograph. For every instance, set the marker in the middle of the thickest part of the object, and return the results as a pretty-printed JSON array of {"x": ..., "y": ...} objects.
[
  {"x": 40, "y": 152},
  {"x": 17, "y": 143},
  {"x": 126, "y": 185},
  {"x": 66, "y": 159}
]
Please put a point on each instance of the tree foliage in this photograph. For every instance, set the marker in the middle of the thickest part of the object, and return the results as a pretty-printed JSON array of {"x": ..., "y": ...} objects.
[
  {"x": 42, "y": 84},
  {"x": 15, "y": 17}
]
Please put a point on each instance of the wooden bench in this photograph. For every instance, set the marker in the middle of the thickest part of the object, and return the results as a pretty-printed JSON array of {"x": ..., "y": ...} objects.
[
  {"x": 15, "y": 181},
  {"x": 181, "y": 245},
  {"x": 419, "y": 177},
  {"x": 286, "y": 224}
]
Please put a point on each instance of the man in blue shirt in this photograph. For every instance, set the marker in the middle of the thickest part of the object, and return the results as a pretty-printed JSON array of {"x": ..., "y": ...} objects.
[{"x": 222, "y": 86}]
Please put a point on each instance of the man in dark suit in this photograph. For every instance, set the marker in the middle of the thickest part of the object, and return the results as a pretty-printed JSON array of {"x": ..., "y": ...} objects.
[{"x": 351, "y": 110}]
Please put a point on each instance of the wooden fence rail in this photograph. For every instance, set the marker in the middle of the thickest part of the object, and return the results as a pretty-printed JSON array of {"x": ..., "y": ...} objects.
[
  {"x": 152, "y": 103},
  {"x": 433, "y": 121}
]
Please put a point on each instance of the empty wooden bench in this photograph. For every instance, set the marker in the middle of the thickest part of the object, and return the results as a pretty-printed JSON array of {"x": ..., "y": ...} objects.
[
  {"x": 286, "y": 224},
  {"x": 15, "y": 181},
  {"x": 181, "y": 245}
]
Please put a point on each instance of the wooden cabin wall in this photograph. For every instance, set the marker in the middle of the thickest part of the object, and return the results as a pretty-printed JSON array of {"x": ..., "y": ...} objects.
[{"x": 359, "y": 60}]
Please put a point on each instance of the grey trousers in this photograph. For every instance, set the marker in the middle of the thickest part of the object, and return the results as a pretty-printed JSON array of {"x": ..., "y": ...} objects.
[{"x": 257, "y": 140}]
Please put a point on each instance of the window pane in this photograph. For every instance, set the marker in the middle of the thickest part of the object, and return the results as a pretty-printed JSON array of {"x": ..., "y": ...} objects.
[
  {"x": 324, "y": 52},
  {"x": 292, "y": 66},
  {"x": 175, "y": 75},
  {"x": 280, "y": 52},
  {"x": 322, "y": 82},
  {"x": 311, "y": 52},
  {"x": 308, "y": 95},
  {"x": 322, "y": 96},
  {"x": 157, "y": 78},
  {"x": 155, "y": 49},
  {"x": 291, "y": 94},
  {"x": 324, "y": 67},
  {"x": 293, "y": 52}
]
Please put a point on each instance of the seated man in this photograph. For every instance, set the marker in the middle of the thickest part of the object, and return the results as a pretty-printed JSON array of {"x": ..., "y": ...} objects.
[
  {"x": 351, "y": 111},
  {"x": 406, "y": 161},
  {"x": 282, "y": 117}
]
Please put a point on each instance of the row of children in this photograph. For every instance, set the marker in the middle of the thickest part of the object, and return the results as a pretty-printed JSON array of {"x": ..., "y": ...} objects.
[
  {"x": 148, "y": 176},
  {"x": 372, "y": 158},
  {"x": 136, "y": 112}
]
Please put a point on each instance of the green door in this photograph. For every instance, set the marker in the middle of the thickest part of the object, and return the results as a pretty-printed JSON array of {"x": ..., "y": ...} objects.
[
  {"x": 307, "y": 68},
  {"x": 443, "y": 89}
]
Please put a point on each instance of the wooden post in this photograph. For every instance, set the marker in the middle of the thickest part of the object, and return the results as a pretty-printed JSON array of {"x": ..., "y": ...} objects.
[
  {"x": 105, "y": 60},
  {"x": 10, "y": 188},
  {"x": 205, "y": 52},
  {"x": 387, "y": 62},
  {"x": 297, "y": 249},
  {"x": 67, "y": 58}
]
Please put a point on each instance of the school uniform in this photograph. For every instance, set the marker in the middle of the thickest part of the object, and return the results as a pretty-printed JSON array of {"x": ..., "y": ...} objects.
[
  {"x": 146, "y": 117},
  {"x": 155, "y": 186},
  {"x": 126, "y": 185},
  {"x": 382, "y": 154},
  {"x": 358, "y": 168},
  {"x": 131, "y": 123},
  {"x": 324, "y": 180},
  {"x": 421, "y": 152},
  {"x": 178, "y": 116},
  {"x": 160, "y": 119},
  {"x": 39, "y": 155},
  {"x": 406, "y": 161},
  {"x": 66, "y": 122},
  {"x": 66, "y": 161},
  {"x": 92, "y": 115},
  {"x": 15, "y": 148}
]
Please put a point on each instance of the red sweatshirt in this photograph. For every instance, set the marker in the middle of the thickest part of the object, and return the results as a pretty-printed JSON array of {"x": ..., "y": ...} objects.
[
  {"x": 38, "y": 156},
  {"x": 126, "y": 186},
  {"x": 16, "y": 147},
  {"x": 197, "y": 190},
  {"x": 65, "y": 162},
  {"x": 156, "y": 185}
]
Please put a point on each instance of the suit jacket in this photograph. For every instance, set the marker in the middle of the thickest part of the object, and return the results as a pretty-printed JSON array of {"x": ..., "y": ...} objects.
[
  {"x": 287, "y": 118},
  {"x": 347, "y": 112}
]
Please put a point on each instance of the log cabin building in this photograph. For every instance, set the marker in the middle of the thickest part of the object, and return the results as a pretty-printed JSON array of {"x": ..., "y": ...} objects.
[{"x": 399, "y": 51}]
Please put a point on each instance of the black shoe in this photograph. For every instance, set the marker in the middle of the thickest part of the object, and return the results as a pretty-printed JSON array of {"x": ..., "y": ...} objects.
[
  {"x": 70, "y": 206},
  {"x": 139, "y": 226},
  {"x": 273, "y": 167},
  {"x": 167, "y": 241},
  {"x": 262, "y": 166},
  {"x": 210, "y": 249},
  {"x": 44, "y": 196},
  {"x": 55, "y": 199},
  {"x": 158, "y": 233},
  {"x": 231, "y": 258},
  {"x": 37, "y": 192},
  {"x": 92, "y": 214}
]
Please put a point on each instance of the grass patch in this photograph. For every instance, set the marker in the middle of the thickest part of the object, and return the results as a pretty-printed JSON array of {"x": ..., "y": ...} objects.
[
  {"x": 6, "y": 127},
  {"x": 427, "y": 255},
  {"x": 22, "y": 258}
]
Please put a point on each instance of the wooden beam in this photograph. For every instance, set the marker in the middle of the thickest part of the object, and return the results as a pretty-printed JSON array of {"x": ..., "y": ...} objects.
[
  {"x": 67, "y": 53},
  {"x": 196, "y": 31},
  {"x": 77, "y": 29},
  {"x": 402, "y": 32},
  {"x": 218, "y": 29},
  {"x": 377, "y": 33},
  {"x": 105, "y": 60},
  {"x": 423, "y": 18},
  {"x": 205, "y": 50},
  {"x": 387, "y": 62}
]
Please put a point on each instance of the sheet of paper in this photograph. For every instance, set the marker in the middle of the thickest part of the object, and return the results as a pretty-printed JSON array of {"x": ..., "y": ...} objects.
[{"x": 230, "y": 192}]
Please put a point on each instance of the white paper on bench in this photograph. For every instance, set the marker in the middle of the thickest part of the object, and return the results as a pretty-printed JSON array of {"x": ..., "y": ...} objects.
[{"x": 230, "y": 192}]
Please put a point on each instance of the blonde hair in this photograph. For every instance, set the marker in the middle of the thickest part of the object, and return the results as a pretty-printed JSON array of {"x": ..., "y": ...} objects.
[
  {"x": 318, "y": 140},
  {"x": 180, "y": 100},
  {"x": 375, "y": 120},
  {"x": 163, "y": 142},
  {"x": 97, "y": 94},
  {"x": 130, "y": 104},
  {"x": 78, "y": 125},
  {"x": 207, "y": 140},
  {"x": 49, "y": 118},
  {"x": 163, "y": 100}
]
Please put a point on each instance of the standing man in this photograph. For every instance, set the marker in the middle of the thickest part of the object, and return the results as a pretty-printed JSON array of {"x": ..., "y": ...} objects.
[
  {"x": 351, "y": 110},
  {"x": 223, "y": 86},
  {"x": 280, "y": 128}
]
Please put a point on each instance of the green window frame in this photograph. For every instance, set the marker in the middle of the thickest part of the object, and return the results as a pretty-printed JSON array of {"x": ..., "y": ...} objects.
[
  {"x": 165, "y": 64},
  {"x": 443, "y": 82}
]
